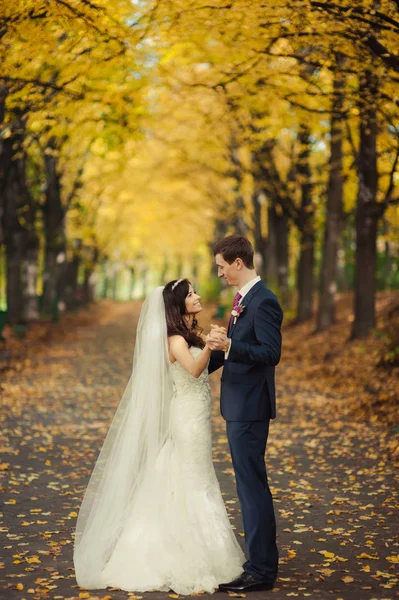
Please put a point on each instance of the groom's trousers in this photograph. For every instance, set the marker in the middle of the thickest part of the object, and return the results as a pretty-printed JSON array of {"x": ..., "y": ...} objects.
[{"x": 247, "y": 441}]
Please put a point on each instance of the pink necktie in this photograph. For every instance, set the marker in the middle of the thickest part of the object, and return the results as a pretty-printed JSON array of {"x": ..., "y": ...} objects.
[{"x": 236, "y": 300}]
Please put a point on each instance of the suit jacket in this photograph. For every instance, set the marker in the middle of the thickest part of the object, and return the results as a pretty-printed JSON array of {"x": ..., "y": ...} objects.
[{"x": 247, "y": 383}]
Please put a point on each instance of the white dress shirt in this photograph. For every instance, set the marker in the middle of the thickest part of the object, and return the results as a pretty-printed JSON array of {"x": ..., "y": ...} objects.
[{"x": 243, "y": 291}]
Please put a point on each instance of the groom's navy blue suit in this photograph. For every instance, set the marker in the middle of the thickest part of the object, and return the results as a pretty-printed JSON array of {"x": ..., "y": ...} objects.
[{"x": 248, "y": 402}]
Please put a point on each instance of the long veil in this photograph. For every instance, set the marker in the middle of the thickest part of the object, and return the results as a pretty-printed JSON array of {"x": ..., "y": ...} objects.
[{"x": 137, "y": 433}]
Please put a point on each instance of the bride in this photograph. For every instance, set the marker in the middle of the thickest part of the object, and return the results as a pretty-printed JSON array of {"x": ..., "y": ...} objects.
[{"x": 153, "y": 516}]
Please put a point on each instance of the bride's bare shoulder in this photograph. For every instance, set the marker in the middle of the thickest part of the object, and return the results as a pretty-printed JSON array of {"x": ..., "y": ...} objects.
[
  {"x": 176, "y": 345},
  {"x": 177, "y": 341}
]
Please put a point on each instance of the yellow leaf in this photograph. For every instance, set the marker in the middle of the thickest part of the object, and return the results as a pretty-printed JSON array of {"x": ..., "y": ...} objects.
[
  {"x": 327, "y": 572},
  {"x": 394, "y": 558},
  {"x": 20, "y": 586},
  {"x": 327, "y": 554},
  {"x": 173, "y": 595},
  {"x": 366, "y": 568},
  {"x": 364, "y": 555},
  {"x": 73, "y": 514},
  {"x": 347, "y": 579}
]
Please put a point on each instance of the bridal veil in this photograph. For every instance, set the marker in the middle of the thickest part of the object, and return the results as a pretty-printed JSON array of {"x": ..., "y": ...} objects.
[{"x": 137, "y": 434}]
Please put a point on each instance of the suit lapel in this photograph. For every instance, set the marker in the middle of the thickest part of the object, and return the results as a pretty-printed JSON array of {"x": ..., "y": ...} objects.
[{"x": 244, "y": 302}]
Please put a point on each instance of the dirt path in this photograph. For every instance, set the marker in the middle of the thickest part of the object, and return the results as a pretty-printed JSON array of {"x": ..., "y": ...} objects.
[{"x": 335, "y": 492}]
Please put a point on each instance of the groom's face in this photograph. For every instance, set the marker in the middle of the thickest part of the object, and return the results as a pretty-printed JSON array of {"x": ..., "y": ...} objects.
[{"x": 228, "y": 272}]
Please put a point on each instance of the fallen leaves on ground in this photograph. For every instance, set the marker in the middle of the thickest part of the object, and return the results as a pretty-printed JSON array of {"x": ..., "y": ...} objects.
[
  {"x": 331, "y": 471},
  {"x": 346, "y": 374}
]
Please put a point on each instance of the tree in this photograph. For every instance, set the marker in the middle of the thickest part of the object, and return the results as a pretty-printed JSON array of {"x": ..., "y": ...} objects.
[{"x": 334, "y": 206}]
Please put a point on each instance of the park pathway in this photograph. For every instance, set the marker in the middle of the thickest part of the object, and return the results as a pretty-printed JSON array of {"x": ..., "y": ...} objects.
[{"x": 334, "y": 488}]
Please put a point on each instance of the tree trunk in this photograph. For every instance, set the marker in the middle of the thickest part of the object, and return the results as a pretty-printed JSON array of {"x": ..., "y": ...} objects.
[
  {"x": 89, "y": 286},
  {"x": 274, "y": 247},
  {"x": 90, "y": 278},
  {"x": 70, "y": 291},
  {"x": 334, "y": 209},
  {"x": 16, "y": 197},
  {"x": 346, "y": 258},
  {"x": 132, "y": 282},
  {"x": 367, "y": 212},
  {"x": 272, "y": 243},
  {"x": 238, "y": 220},
  {"x": 30, "y": 272},
  {"x": 31, "y": 260},
  {"x": 14, "y": 256},
  {"x": 282, "y": 253},
  {"x": 194, "y": 270},
  {"x": 114, "y": 285},
  {"x": 105, "y": 270},
  {"x": 387, "y": 267},
  {"x": 221, "y": 228},
  {"x": 4, "y": 160},
  {"x": 305, "y": 277},
  {"x": 260, "y": 241},
  {"x": 54, "y": 220},
  {"x": 14, "y": 241},
  {"x": 240, "y": 226}
]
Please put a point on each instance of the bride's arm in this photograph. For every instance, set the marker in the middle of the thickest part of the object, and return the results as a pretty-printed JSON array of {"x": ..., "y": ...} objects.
[{"x": 179, "y": 349}]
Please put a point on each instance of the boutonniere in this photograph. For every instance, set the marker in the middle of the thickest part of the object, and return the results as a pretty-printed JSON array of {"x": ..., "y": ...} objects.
[{"x": 237, "y": 310}]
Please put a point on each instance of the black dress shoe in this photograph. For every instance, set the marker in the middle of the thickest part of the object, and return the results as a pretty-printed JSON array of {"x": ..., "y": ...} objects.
[{"x": 246, "y": 583}]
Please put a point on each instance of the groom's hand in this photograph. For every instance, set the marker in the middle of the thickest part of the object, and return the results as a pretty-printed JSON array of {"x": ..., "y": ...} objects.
[
  {"x": 218, "y": 328},
  {"x": 217, "y": 338}
]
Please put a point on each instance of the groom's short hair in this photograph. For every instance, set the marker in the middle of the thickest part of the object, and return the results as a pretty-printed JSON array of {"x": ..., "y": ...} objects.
[{"x": 235, "y": 246}]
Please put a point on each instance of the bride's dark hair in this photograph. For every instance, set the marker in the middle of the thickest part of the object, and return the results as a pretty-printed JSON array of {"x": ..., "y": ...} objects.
[{"x": 175, "y": 308}]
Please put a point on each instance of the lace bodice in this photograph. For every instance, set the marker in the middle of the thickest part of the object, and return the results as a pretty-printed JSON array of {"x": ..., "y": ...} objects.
[
  {"x": 190, "y": 425},
  {"x": 184, "y": 382}
]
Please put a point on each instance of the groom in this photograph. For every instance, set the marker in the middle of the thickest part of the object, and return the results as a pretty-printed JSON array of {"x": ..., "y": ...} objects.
[{"x": 251, "y": 350}]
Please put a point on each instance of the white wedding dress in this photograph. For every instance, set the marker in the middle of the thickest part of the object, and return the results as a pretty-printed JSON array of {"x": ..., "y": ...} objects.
[{"x": 177, "y": 535}]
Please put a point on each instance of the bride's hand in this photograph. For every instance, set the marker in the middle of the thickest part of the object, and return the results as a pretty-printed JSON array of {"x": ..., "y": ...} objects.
[
  {"x": 216, "y": 339},
  {"x": 212, "y": 342}
]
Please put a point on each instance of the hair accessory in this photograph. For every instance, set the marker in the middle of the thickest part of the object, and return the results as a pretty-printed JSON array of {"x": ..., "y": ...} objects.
[{"x": 176, "y": 284}]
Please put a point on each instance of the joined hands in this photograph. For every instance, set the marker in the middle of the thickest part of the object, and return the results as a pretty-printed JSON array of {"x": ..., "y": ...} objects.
[{"x": 216, "y": 338}]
